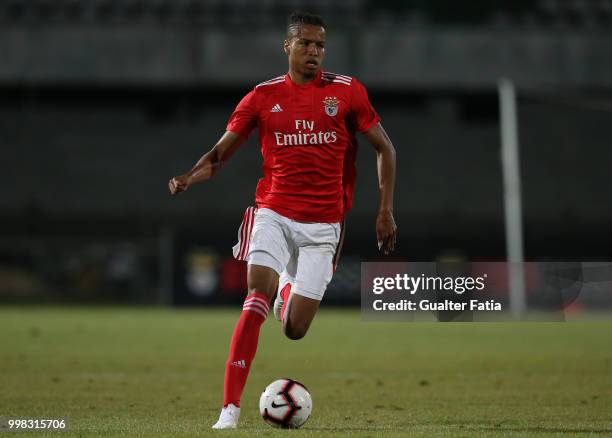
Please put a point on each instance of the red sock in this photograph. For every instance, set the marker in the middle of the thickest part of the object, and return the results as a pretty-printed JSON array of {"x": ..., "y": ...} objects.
[
  {"x": 243, "y": 346},
  {"x": 285, "y": 292}
]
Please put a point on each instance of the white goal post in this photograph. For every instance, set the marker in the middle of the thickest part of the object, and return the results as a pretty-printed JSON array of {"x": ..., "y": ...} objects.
[{"x": 512, "y": 197}]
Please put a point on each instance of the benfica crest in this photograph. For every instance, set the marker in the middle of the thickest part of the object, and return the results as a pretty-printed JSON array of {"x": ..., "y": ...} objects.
[{"x": 331, "y": 105}]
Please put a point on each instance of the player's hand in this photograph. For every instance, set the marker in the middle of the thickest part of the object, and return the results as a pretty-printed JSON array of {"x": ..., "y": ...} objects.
[
  {"x": 178, "y": 184},
  {"x": 386, "y": 232}
]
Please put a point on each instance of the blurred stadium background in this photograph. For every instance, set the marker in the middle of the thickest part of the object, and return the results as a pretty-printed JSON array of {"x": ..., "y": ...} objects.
[{"x": 102, "y": 101}]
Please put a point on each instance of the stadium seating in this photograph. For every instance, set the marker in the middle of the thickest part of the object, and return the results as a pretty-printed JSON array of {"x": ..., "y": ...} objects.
[{"x": 544, "y": 13}]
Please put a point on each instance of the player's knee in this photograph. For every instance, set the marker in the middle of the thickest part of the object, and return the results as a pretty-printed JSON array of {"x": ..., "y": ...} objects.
[
  {"x": 296, "y": 331},
  {"x": 263, "y": 280},
  {"x": 267, "y": 291},
  {"x": 295, "y": 335}
]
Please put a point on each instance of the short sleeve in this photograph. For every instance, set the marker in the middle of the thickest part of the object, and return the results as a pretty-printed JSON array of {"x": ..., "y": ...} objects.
[
  {"x": 244, "y": 118},
  {"x": 363, "y": 112}
]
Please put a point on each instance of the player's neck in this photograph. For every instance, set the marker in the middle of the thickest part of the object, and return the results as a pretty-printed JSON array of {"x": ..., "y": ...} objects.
[{"x": 300, "y": 79}]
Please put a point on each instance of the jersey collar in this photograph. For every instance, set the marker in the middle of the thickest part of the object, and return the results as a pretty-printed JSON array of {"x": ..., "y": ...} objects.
[{"x": 315, "y": 82}]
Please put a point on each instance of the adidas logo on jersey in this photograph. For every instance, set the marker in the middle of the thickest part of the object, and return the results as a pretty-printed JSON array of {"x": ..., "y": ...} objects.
[
  {"x": 239, "y": 363},
  {"x": 276, "y": 109}
]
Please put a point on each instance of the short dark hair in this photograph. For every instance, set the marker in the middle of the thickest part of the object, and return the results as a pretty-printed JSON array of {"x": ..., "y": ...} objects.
[{"x": 297, "y": 18}]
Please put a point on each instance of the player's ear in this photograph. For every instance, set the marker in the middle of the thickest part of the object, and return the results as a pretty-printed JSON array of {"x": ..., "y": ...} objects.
[{"x": 286, "y": 47}]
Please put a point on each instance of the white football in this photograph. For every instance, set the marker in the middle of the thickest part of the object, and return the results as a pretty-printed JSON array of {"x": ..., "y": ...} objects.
[{"x": 285, "y": 403}]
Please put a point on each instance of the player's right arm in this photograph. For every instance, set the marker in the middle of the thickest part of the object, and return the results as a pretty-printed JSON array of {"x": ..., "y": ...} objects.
[
  {"x": 209, "y": 164},
  {"x": 241, "y": 123}
]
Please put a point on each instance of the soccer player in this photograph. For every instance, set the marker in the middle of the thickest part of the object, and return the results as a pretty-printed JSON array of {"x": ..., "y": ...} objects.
[{"x": 307, "y": 122}]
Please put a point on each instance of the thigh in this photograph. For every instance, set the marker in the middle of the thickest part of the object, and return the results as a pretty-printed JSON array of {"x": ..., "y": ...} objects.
[
  {"x": 269, "y": 246},
  {"x": 314, "y": 271},
  {"x": 288, "y": 275},
  {"x": 317, "y": 245}
]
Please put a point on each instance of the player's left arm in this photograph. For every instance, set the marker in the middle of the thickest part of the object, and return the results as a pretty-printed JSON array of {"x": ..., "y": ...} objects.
[{"x": 386, "y": 230}]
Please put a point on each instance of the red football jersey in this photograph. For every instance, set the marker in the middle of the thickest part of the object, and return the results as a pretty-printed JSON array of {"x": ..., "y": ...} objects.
[{"x": 308, "y": 143}]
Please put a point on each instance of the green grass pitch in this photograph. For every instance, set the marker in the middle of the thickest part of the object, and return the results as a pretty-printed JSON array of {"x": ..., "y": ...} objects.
[{"x": 159, "y": 372}]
